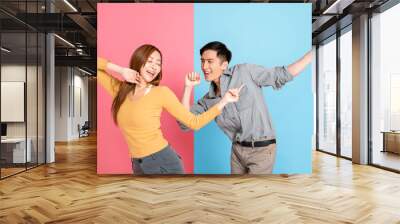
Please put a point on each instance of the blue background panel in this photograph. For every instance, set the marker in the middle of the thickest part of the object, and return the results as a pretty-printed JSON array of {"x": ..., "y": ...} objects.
[{"x": 268, "y": 35}]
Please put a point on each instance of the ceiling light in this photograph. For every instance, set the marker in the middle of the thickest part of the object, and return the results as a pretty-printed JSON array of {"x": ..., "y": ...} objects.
[
  {"x": 338, "y": 6},
  {"x": 5, "y": 49},
  {"x": 64, "y": 40},
  {"x": 70, "y": 5},
  {"x": 84, "y": 71}
]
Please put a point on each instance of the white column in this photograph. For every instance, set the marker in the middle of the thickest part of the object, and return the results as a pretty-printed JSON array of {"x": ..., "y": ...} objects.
[
  {"x": 360, "y": 90},
  {"x": 50, "y": 100},
  {"x": 50, "y": 92}
]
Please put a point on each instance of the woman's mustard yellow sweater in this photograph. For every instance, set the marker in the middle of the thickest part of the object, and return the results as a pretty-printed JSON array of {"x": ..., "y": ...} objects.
[{"x": 139, "y": 120}]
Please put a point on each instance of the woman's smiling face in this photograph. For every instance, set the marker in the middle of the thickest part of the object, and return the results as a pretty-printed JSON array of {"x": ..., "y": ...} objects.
[{"x": 152, "y": 67}]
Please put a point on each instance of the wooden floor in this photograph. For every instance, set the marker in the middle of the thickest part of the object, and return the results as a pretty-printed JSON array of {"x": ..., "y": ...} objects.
[
  {"x": 70, "y": 191},
  {"x": 5, "y": 172},
  {"x": 387, "y": 159}
]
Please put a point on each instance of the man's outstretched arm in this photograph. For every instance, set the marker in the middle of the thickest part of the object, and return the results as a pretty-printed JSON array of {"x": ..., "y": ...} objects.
[
  {"x": 278, "y": 76},
  {"x": 298, "y": 66}
]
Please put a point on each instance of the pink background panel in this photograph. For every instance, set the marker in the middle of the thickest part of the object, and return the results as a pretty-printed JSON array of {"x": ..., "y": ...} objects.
[{"x": 121, "y": 29}]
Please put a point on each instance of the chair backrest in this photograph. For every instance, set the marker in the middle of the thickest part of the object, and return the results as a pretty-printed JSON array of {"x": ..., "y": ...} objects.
[{"x": 86, "y": 125}]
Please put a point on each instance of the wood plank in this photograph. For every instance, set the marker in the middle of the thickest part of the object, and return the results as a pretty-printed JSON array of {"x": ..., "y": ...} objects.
[{"x": 70, "y": 191}]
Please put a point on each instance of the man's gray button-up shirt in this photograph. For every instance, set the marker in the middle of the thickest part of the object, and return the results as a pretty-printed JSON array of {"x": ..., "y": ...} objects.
[{"x": 248, "y": 119}]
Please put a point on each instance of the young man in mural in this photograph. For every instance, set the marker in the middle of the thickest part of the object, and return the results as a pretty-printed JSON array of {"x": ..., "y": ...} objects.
[{"x": 247, "y": 122}]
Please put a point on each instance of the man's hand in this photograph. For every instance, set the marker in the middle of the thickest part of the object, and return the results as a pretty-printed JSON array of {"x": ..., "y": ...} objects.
[
  {"x": 232, "y": 95},
  {"x": 192, "y": 79}
]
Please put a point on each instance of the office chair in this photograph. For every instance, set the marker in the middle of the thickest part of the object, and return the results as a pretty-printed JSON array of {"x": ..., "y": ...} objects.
[{"x": 84, "y": 130}]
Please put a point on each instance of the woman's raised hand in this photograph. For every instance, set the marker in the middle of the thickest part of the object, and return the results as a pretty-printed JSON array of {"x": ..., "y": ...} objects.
[{"x": 130, "y": 75}]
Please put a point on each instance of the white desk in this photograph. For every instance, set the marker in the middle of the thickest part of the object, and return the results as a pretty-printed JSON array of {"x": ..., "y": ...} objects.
[{"x": 18, "y": 149}]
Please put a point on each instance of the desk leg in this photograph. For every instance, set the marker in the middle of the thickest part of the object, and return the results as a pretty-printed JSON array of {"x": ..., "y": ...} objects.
[{"x": 384, "y": 142}]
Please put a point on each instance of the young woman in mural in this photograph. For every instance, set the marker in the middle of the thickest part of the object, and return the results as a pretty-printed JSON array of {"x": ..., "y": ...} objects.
[{"x": 137, "y": 105}]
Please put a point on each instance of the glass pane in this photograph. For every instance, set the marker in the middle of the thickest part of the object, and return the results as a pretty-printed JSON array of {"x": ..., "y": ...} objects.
[
  {"x": 23, "y": 82},
  {"x": 31, "y": 101},
  {"x": 32, "y": 81},
  {"x": 386, "y": 89},
  {"x": 327, "y": 97},
  {"x": 346, "y": 94},
  {"x": 41, "y": 98},
  {"x": 13, "y": 86}
]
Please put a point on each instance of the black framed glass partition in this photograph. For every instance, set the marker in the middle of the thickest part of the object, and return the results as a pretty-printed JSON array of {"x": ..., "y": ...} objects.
[
  {"x": 14, "y": 145},
  {"x": 22, "y": 79},
  {"x": 385, "y": 89},
  {"x": 334, "y": 95},
  {"x": 326, "y": 95},
  {"x": 346, "y": 73}
]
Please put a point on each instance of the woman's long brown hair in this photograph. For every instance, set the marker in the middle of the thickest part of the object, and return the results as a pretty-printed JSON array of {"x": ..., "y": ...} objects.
[{"x": 138, "y": 60}]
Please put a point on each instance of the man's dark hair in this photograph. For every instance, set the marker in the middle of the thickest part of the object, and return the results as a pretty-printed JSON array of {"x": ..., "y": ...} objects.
[{"x": 222, "y": 51}]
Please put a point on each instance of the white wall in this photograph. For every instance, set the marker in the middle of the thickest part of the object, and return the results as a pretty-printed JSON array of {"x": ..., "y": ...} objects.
[
  {"x": 16, "y": 73},
  {"x": 61, "y": 103},
  {"x": 33, "y": 127},
  {"x": 71, "y": 93},
  {"x": 80, "y": 84}
]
